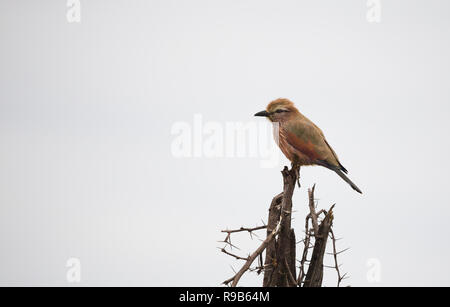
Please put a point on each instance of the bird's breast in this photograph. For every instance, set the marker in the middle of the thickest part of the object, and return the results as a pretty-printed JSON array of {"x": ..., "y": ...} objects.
[{"x": 292, "y": 153}]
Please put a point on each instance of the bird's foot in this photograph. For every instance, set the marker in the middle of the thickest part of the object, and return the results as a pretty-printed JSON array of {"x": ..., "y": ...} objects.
[{"x": 296, "y": 169}]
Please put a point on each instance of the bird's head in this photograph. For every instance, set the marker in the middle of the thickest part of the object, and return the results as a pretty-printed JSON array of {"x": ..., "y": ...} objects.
[{"x": 279, "y": 110}]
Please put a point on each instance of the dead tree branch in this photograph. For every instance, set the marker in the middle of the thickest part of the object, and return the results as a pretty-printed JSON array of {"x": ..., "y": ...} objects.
[
  {"x": 280, "y": 244},
  {"x": 314, "y": 276},
  {"x": 245, "y": 229},
  {"x": 312, "y": 210},
  {"x": 223, "y": 250},
  {"x": 336, "y": 265},
  {"x": 274, "y": 217},
  {"x": 306, "y": 242},
  {"x": 280, "y": 259},
  {"x": 235, "y": 279}
]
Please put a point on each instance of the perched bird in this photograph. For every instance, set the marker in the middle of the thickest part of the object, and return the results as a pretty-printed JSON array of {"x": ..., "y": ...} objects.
[{"x": 300, "y": 140}]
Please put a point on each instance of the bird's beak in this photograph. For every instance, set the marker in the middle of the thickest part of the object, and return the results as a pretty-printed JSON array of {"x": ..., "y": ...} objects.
[{"x": 262, "y": 113}]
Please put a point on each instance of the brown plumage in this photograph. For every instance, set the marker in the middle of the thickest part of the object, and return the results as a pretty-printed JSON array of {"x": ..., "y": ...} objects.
[{"x": 300, "y": 140}]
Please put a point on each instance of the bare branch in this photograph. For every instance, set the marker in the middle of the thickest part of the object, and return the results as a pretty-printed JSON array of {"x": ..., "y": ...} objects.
[
  {"x": 245, "y": 229},
  {"x": 223, "y": 250},
  {"x": 312, "y": 209},
  {"x": 306, "y": 242},
  {"x": 314, "y": 276},
  {"x": 235, "y": 279},
  {"x": 336, "y": 265},
  {"x": 291, "y": 277},
  {"x": 279, "y": 265},
  {"x": 342, "y": 251}
]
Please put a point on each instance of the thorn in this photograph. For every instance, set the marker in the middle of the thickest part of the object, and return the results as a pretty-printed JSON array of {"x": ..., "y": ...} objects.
[{"x": 233, "y": 269}]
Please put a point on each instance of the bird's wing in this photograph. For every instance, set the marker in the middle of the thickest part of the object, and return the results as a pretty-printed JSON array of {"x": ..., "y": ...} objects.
[
  {"x": 336, "y": 157},
  {"x": 341, "y": 167},
  {"x": 307, "y": 138}
]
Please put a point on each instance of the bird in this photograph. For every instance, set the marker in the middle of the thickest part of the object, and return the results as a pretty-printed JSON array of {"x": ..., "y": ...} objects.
[{"x": 300, "y": 140}]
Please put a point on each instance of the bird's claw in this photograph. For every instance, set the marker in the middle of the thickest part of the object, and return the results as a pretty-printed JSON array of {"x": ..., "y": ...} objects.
[{"x": 297, "y": 173}]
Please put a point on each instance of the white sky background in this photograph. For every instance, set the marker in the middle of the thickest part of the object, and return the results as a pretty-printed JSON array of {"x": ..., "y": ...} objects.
[{"x": 86, "y": 111}]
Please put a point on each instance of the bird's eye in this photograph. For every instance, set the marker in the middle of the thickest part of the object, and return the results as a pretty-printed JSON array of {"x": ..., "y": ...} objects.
[{"x": 281, "y": 111}]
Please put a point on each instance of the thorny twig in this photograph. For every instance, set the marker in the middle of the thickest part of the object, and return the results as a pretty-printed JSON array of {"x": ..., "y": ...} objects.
[
  {"x": 227, "y": 240},
  {"x": 276, "y": 231},
  {"x": 245, "y": 229},
  {"x": 335, "y": 253},
  {"x": 312, "y": 210},
  {"x": 223, "y": 250},
  {"x": 283, "y": 222},
  {"x": 235, "y": 279},
  {"x": 306, "y": 242},
  {"x": 313, "y": 216}
]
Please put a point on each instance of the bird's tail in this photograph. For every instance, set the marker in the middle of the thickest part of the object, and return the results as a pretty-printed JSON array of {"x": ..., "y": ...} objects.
[{"x": 343, "y": 176}]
